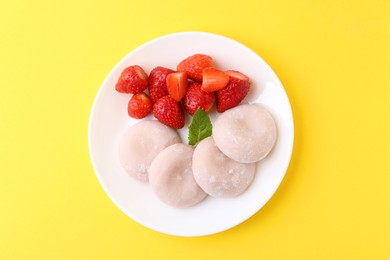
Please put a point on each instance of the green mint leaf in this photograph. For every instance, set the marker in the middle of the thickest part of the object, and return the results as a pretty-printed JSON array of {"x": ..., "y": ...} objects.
[{"x": 200, "y": 127}]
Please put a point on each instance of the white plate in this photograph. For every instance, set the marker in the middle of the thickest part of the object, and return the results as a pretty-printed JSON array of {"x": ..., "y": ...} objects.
[{"x": 109, "y": 120}]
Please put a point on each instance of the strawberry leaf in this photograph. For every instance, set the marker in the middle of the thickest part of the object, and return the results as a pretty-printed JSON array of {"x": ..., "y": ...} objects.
[{"x": 200, "y": 127}]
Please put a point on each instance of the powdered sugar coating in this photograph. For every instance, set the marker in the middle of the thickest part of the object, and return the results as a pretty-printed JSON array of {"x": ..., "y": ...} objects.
[
  {"x": 246, "y": 133},
  {"x": 171, "y": 177},
  {"x": 217, "y": 174},
  {"x": 142, "y": 143}
]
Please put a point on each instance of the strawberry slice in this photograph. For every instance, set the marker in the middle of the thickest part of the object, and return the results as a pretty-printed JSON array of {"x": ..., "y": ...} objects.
[
  {"x": 214, "y": 79},
  {"x": 234, "y": 92},
  {"x": 196, "y": 98},
  {"x": 177, "y": 84},
  {"x": 169, "y": 112},
  {"x": 237, "y": 75},
  {"x": 158, "y": 82},
  {"x": 133, "y": 79},
  {"x": 139, "y": 106},
  {"x": 193, "y": 66}
]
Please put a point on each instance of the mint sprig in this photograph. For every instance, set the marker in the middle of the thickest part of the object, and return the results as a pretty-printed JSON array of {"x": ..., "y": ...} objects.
[{"x": 200, "y": 127}]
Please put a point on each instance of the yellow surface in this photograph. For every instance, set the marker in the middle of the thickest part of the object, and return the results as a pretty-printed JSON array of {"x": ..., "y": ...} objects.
[{"x": 333, "y": 59}]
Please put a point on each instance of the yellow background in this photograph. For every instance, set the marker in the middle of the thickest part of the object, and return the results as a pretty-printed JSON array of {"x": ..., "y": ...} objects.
[{"x": 333, "y": 58}]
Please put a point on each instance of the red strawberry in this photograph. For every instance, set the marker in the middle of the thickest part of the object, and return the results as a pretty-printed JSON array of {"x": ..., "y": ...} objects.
[
  {"x": 235, "y": 91},
  {"x": 139, "y": 106},
  {"x": 157, "y": 83},
  {"x": 237, "y": 74},
  {"x": 177, "y": 84},
  {"x": 169, "y": 112},
  {"x": 133, "y": 79},
  {"x": 214, "y": 79},
  {"x": 196, "y": 98},
  {"x": 193, "y": 66}
]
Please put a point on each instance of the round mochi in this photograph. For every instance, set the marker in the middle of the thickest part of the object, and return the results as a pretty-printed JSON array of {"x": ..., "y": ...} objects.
[
  {"x": 171, "y": 177},
  {"x": 246, "y": 133},
  {"x": 141, "y": 144},
  {"x": 217, "y": 174}
]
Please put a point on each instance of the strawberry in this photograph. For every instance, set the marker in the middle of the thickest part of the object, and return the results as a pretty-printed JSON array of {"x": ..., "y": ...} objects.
[
  {"x": 234, "y": 92},
  {"x": 196, "y": 98},
  {"x": 177, "y": 85},
  {"x": 139, "y": 106},
  {"x": 214, "y": 79},
  {"x": 193, "y": 66},
  {"x": 133, "y": 79},
  {"x": 157, "y": 83},
  {"x": 169, "y": 112},
  {"x": 237, "y": 74}
]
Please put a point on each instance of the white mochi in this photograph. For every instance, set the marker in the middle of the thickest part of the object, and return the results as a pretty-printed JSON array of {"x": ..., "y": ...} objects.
[
  {"x": 217, "y": 174},
  {"x": 171, "y": 177},
  {"x": 142, "y": 143},
  {"x": 246, "y": 133}
]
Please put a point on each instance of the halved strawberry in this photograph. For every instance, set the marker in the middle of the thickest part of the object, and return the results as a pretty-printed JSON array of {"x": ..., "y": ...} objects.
[
  {"x": 214, "y": 79},
  {"x": 235, "y": 91},
  {"x": 133, "y": 79},
  {"x": 139, "y": 106},
  {"x": 158, "y": 83},
  {"x": 236, "y": 74},
  {"x": 196, "y": 98},
  {"x": 177, "y": 84},
  {"x": 169, "y": 112},
  {"x": 193, "y": 66}
]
